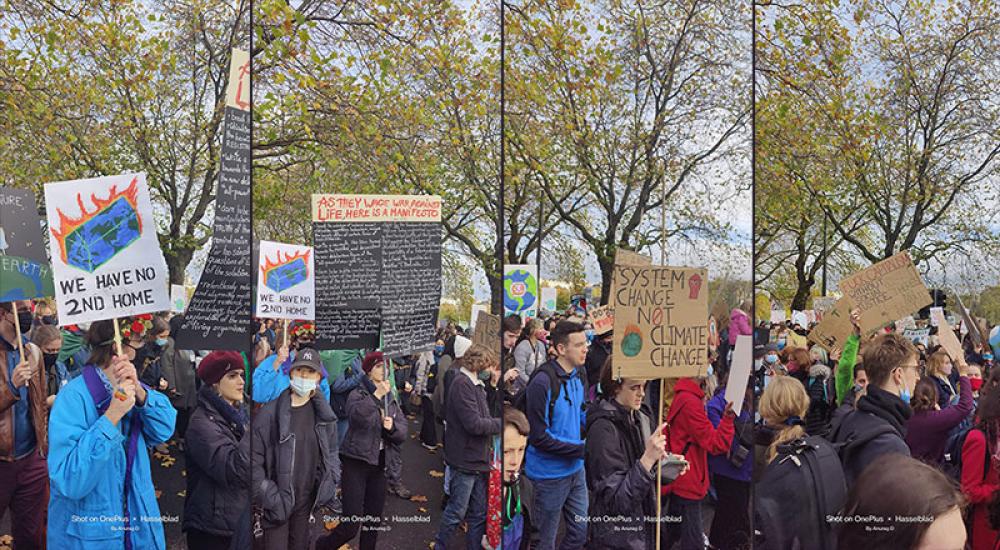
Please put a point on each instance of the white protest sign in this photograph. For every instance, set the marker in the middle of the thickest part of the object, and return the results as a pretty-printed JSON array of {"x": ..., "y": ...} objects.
[
  {"x": 286, "y": 282},
  {"x": 739, "y": 373},
  {"x": 106, "y": 258},
  {"x": 549, "y": 298},
  {"x": 800, "y": 318},
  {"x": 935, "y": 313},
  {"x": 178, "y": 298},
  {"x": 778, "y": 316}
]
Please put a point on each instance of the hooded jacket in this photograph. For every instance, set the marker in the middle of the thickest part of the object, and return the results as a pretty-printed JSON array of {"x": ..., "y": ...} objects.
[
  {"x": 620, "y": 487},
  {"x": 274, "y": 454},
  {"x": 739, "y": 323},
  {"x": 821, "y": 398},
  {"x": 876, "y": 427},
  {"x": 365, "y": 431},
  {"x": 218, "y": 466},
  {"x": 691, "y": 433}
]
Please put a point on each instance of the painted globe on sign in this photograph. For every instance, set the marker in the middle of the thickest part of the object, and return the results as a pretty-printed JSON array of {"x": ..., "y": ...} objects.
[{"x": 517, "y": 296}]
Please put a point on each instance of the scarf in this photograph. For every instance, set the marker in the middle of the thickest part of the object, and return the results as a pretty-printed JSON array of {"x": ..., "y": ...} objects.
[
  {"x": 887, "y": 406},
  {"x": 237, "y": 418}
]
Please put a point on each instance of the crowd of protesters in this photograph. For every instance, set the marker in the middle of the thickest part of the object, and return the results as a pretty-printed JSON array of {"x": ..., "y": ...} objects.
[{"x": 888, "y": 441}]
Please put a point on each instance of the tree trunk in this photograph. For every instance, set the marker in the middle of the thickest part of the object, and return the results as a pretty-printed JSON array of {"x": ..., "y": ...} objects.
[
  {"x": 177, "y": 262},
  {"x": 802, "y": 294},
  {"x": 607, "y": 273}
]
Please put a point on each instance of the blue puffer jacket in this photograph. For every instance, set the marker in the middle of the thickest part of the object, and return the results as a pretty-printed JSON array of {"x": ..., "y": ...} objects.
[
  {"x": 269, "y": 383},
  {"x": 555, "y": 445},
  {"x": 87, "y": 473}
]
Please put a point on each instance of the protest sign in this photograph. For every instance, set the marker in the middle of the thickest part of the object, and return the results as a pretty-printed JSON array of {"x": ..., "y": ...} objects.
[
  {"x": 487, "y": 333},
  {"x": 778, "y": 316},
  {"x": 286, "y": 282},
  {"x": 823, "y": 304},
  {"x": 947, "y": 338},
  {"x": 810, "y": 316},
  {"x": 800, "y": 318},
  {"x": 603, "y": 319},
  {"x": 218, "y": 315},
  {"x": 520, "y": 290},
  {"x": 549, "y": 299},
  {"x": 628, "y": 257},
  {"x": 25, "y": 271},
  {"x": 918, "y": 335},
  {"x": 907, "y": 322},
  {"x": 106, "y": 258},
  {"x": 968, "y": 322},
  {"x": 660, "y": 321},
  {"x": 935, "y": 314},
  {"x": 739, "y": 374},
  {"x": 833, "y": 330},
  {"x": 178, "y": 298},
  {"x": 378, "y": 270},
  {"x": 886, "y": 291},
  {"x": 713, "y": 332}
]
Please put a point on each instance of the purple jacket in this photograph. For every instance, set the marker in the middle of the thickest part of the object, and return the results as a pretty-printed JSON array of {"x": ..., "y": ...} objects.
[
  {"x": 739, "y": 323},
  {"x": 927, "y": 431}
]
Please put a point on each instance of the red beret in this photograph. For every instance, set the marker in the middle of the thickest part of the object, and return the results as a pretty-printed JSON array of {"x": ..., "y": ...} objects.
[
  {"x": 373, "y": 358},
  {"x": 215, "y": 365}
]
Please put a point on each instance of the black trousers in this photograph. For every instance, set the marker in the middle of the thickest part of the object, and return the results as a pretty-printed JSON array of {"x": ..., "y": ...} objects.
[
  {"x": 731, "y": 524},
  {"x": 428, "y": 429},
  {"x": 363, "y": 494},
  {"x": 200, "y": 540}
]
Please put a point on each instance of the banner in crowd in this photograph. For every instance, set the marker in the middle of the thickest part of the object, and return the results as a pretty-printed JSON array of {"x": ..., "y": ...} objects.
[
  {"x": 947, "y": 338},
  {"x": 660, "y": 321},
  {"x": 603, "y": 319},
  {"x": 520, "y": 290},
  {"x": 833, "y": 331},
  {"x": 918, "y": 336},
  {"x": 218, "y": 315},
  {"x": 968, "y": 322},
  {"x": 106, "y": 258},
  {"x": 778, "y": 316},
  {"x": 285, "y": 282},
  {"x": 179, "y": 297},
  {"x": 378, "y": 271},
  {"x": 800, "y": 318},
  {"x": 886, "y": 291},
  {"x": 549, "y": 298},
  {"x": 487, "y": 333},
  {"x": 739, "y": 374},
  {"x": 25, "y": 271},
  {"x": 935, "y": 314}
]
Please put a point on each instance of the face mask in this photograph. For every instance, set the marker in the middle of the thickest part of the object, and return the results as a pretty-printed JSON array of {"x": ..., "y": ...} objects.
[
  {"x": 781, "y": 344},
  {"x": 987, "y": 357},
  {"x": 161, "y": 342},
  {"x": 904, "y": 394},
  {"x": 302, "y": 386},
  {"x": 24, "y": 318},
  {"x": 50, "y": 359},
  {"x": 771, "y": 358},
  {"x": 976, "y": 383},
  {"x": 590, "y": 335},
  {"x": 710, "y": 370},
  {"x": 439, "y": 350},
  {"x": 49, "y": 319},
  {"x": 484, "y": 375}
]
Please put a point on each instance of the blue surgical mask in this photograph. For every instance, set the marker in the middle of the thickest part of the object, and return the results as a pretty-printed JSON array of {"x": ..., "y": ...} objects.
[
  {"x": 987, "y": 357},
  {"x": 302, "y": 386},
  {"x": 771, "y": 358},
  {"x": 904, "y": 394},
  {"x": 781, "y": 344},
  {"x": 161, "y": 342},
  {"x": 590, "y": 335},
  {"x": 439, "y": 350}
]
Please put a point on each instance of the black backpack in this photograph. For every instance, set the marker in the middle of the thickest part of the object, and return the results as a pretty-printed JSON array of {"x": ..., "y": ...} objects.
[
  {"x": 803, "y": 485},
  {"x": 952, "y": 463},
  {"x": 553, "y": 370}
]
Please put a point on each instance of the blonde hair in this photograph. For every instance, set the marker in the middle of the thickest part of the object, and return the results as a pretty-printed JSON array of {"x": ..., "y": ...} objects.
[
  {"x": 783, "y": 397},
  {"x": 935, "y": 363}
]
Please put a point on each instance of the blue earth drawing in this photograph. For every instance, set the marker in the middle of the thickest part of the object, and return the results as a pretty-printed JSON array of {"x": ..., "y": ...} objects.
[
  {"x": 107, "y": 232},
  {"x": 23, "y": 279},
  {"x": 526, "y": 300},
  {"x": 282, "y": 277}
]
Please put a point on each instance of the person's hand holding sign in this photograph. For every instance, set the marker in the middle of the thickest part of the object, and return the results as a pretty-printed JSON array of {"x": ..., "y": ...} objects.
[
  {"x": 125, "y": 370},
  {"x": 856, "y": 321},
  {"x": 120, "y": 406},
  {"x": 22, "y": 373}
]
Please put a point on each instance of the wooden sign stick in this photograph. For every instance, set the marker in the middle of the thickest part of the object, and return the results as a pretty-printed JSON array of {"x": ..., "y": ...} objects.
[{"x": 17, "y": 328}]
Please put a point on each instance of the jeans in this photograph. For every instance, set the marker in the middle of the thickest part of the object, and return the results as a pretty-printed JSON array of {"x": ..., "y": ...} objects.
[
  {"x": 689, "y": 532},
  {"x": 565, "y": 496},
  {"x": 468, "y": 501}
]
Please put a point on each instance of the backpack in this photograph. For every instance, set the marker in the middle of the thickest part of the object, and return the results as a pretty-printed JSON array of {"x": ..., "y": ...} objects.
[
  {"x": 555, "y": 386},
  {"x": 952, "y": 464},
  {"x": 798, "y": 490},
  {"x": 846, "y": 449}
]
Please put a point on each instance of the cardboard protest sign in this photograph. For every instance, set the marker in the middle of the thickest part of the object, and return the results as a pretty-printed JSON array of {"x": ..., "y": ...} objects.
[
  {"x": 886, "y": 291},
  {"x": 378, "y": 271},
  {"x": 969, "y": 322},
  {"x": 549, "y": 298},
  {"x": 739, "y": 375},
  {"x": 628, "y": 257},
  {"x": 823, "y": 304},
  {"x": 835, "y": 328},
  {"x": 520, "y": 290},
  {"x": 947, "y": 338},
  {"x": 487, "y": 333},
  {"x": 918, "y": 335},
  {"x": 218, "y": 315},
  {"x": 660, "y": 321},
  {"x": 603, "y": 319},
  {"x": 106, "y": 257},
  {"x": 713, "y": 332},
  {"x": 286, "y": 282},
  {"x": 25, "y": 271}
]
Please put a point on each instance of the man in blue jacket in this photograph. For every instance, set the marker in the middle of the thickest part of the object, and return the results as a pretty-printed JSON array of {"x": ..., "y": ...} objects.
[{"x": 554, "y": 459}]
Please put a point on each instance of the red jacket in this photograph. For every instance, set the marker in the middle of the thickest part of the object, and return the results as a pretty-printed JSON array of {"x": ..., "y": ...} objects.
[
  {"x": 688, "y": 423},
  {"x": 979, "y": 490}
]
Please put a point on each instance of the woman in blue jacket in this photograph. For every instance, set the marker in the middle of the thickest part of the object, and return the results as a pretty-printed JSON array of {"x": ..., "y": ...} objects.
[
  {"x": 270, "y": 378},
  {"x": 100, "y": 428}
]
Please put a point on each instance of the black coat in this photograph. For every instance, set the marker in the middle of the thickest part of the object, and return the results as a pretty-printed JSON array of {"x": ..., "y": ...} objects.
[
  {"x": 619, "y": 485},
  {"x": 218, "y": 469},
  {"x": 365, "y": 431},
  {"x": 471, "y": 425},
  {"x": 876, "y": 427},
  {"x": 596, "y": 357},
  {"x": 274, "y": 454}
]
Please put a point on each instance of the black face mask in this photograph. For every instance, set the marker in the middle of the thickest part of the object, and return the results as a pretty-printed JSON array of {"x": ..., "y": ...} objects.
[
  {"x": 25, "y": 318},
  {"x": 50, "y": 359},
  {"x": 305, "y": 344},
  {"x": 49, "y": 319}
]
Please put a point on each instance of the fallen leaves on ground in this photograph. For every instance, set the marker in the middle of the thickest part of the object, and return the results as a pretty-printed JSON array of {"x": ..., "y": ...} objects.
[
  {"x": 330, "y": 525},
  {"x": 422, "y": 510},
  {"x": 182, "y": 493},
  {"x": 436, "y": 473},
  {"x": 418, "y": 498}
]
